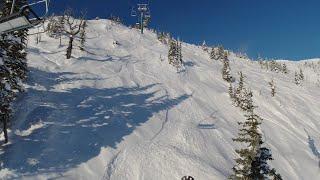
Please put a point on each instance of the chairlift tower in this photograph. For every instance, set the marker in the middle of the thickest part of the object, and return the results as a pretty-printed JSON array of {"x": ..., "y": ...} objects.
[{"x": 144, "y": 14}]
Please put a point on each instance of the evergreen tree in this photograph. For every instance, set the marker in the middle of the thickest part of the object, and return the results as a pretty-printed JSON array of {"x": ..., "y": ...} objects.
[
  {"x": 252, "y": 160},
  {"x": 274, "y": 66},
  {"x": 220, "y": 53},
  {"x": 239, "y": 93},
  {"x": 162, "y": 37},
  {"x": 204, "y": 46},
  {"x": 175, "y": 53},
  {"x": 245, "y": 99},
  {"x": 230, "y": 91},
  {"x": 180, "y": 57},
  {"x": 296, "y": 78},
  {"x": 241, "y": 81},
  {"x": 226, "y": 71},
  {"x": 13, "y": 68},
  {"x": 273, "y": 87},
  {"x": 212, "y": 53},
  {"x": 172, "y": 51},
  {"x": 7, "y": 83},
  {"x": 284, "y": 68},
  {"x": 301, "y": 75},
  {"x": 217, "y": 53}
]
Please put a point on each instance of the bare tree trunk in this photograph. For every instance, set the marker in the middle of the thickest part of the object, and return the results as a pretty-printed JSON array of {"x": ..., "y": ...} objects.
[
  {"x": 74, "y": 27},
  {"x": 69, "y": 49},
  {"x": 5, "y": 132}
]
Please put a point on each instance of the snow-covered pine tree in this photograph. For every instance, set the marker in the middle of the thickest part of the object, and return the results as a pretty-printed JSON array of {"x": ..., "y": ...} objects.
[
  {"x": 83, "y": 35},
  {"x": 13, "y": 68},
  {"x": 180, "y": 57},
  {"x": 274, "y": 66},
  {"x": 221, "y": 53},
  {"x": 273, "y": 87},
  {"x": 162, "y": 37},
  {"x": 9, "y": 86},
  {"x": 226, "y": 71},
  {"x": 239, "y": 91},
  {"x": 261, "y": 167},
  {"x": 175, "y": 53},
  {"x": 172, "y": 51},
  {"x": 204, "y": 46},
  {"x": 230, "y": 91},
  {"x": 245, "y": 99},
  {"x": 301, "y": 75},
  {"x": 241, "y": 81},
  {"x": 217, "y": 53},
  {"x": 250, "y": 136},
  {"x": 296, "y": 78},
  {"x": 212, "y": 53},
  {"x": 252, "y": 160},
  {"x": 284, "y": 68}
]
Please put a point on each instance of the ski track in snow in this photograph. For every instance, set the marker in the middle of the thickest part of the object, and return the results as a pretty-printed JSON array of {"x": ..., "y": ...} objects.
[{"x": 120, "y": 112}]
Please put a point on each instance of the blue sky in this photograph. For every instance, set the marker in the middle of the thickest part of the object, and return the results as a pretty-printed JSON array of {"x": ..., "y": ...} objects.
[{"x": 288, "y": 29}]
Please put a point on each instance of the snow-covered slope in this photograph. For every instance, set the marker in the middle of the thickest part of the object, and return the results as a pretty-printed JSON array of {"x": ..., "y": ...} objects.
[{"x": 121, "y": 112}]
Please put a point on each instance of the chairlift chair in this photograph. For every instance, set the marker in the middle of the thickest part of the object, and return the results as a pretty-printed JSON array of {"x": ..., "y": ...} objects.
[
  {"x": 148, "y": 14},
  {"x": 26, "y": 18},
  {"x": 133, "y": 12},
  {"x": 142, "y": 7}
]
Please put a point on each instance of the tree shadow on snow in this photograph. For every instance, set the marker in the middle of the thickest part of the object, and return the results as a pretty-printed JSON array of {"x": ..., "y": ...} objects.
[
  {"x": 189, "y": 64},
  {"x": 312, "y": 146},
  {"x": 76, "y": 124},
  {"x": 206, "y": 126}
]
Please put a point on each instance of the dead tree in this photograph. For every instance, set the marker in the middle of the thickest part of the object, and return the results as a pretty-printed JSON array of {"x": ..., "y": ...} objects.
[{"x": 73, "y": 27}]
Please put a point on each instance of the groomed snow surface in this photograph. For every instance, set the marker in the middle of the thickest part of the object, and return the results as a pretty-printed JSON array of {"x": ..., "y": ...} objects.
[{"x": 121, "y": 112}]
